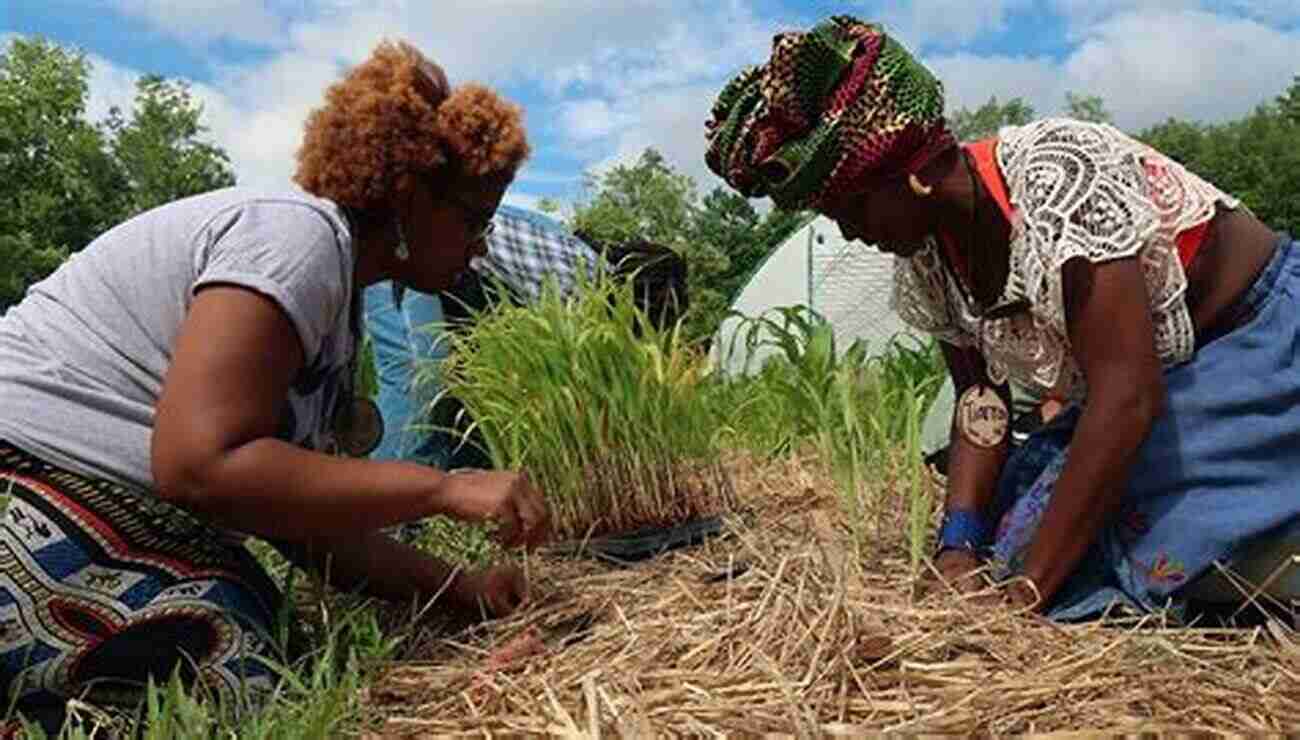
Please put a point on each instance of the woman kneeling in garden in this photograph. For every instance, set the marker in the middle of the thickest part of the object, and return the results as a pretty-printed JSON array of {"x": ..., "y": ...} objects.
[
  {"x": 1074, "y": 259},
  {"x": 185, "y": 381}
]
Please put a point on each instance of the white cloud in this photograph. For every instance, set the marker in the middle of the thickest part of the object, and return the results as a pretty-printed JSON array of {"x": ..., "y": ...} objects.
[
  {"x": 672, "y": 122},
  {"x": 1083, "y": 16},
  {"x": 590, "y": 119},
  {"x": 593, "y": 58},
  {"x": 970, "y": 80},
  {"x": 1087, "y": 12},
  {"x": 522, "y": 200},
  {"x": 1146, "y": 66},
  {"x": 1083, "y": 13},
  {"x": 698, "y": 46},
  {"x": 560, "y": 47},
  {"x": 1142, "y": 65},
  {"x": 110, "y": 85},
  {"x": 1277, "y": 11},
  {"x": 495, "y": 40},
  {"x": 547, "y": 177},
  {"x": 659, "y": 94},
  {"x": 605, "y": 80},
  {"x": 202, "y": 21},
  {"x": 948, "y": 21}
]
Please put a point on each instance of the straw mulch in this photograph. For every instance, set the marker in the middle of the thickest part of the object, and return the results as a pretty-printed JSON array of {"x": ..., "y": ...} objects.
[{"x": 815, "y": 639}]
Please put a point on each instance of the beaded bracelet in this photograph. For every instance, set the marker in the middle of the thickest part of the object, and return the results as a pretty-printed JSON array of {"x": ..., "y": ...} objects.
[{"x": 963, "y": 530}]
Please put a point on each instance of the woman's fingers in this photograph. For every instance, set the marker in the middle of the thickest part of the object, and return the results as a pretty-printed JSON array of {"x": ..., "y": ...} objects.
[{"x": 530, "y": 509}]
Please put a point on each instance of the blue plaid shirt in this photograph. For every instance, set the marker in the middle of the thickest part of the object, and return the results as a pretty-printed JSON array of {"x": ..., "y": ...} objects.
[{"x": 525, "y": 248}]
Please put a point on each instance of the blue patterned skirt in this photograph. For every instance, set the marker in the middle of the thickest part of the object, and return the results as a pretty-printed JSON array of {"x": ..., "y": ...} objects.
[
  {"x": 103, "y": 588},
  {"x": 1219, "y": 471}
]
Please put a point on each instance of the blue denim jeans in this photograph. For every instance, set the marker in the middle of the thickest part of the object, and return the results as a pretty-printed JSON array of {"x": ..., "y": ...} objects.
[{"x": 404, "y": 337}]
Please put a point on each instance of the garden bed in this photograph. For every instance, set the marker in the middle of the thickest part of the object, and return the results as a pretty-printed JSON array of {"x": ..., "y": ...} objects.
[{"x": 787, "y": 626}]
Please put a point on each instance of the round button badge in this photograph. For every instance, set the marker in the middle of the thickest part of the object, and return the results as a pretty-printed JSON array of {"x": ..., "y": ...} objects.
[{"x": 982, "y": 416}]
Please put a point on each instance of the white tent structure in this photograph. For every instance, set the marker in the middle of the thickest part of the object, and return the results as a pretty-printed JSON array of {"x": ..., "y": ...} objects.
[{"x": 847, "y": 283}]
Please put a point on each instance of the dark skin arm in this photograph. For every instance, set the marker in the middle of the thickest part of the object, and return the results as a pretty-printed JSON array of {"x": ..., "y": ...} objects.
[
  {"x": 214, "y": 450},
  {"x": 1112, "y": 337},
  {"x": 214, "y": 454},
  {"x": 972, "y": 470},
  {"x": 378, "y": 566}
]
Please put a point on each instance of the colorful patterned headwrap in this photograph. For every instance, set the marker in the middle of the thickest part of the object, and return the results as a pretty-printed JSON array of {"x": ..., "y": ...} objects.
[{"x": 833, "y": 110}]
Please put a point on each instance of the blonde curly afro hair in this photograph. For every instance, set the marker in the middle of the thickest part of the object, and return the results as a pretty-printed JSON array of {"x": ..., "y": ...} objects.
[{"x": 394, "y": 117}]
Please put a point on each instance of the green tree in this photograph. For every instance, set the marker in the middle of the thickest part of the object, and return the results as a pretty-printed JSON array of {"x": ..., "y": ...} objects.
[
  {"x": 57, "y": 173},
  {"x": 24, "y": 262},
  {"x": 160, "y": 148},
  {"x": 1289, "y": 102},
  {"x": 1086, "y": 108},
  {"x": 66, "y": 178},
  {"x": 1255, "y": 158},
  {"x": 722, "y": 237},
  {"x": 650, "y": 200},
  {"x": 549, "y": 206},
  {"x": 1179, "y": 140},
  {"x": 646, "y": 200},
  {"x": 60, "y": 186},
  {"x": 985, "y": 121},
  {"x": 729, "y": 223},
  {"x": 1258, "y": 160}
]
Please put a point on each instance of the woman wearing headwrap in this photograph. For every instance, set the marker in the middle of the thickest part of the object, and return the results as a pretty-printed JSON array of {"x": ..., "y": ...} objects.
[{"x": 1078, "y": 261}]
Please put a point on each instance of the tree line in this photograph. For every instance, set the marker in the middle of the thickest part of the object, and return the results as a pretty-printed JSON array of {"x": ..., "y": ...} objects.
[{"x": 66, "y": 178}]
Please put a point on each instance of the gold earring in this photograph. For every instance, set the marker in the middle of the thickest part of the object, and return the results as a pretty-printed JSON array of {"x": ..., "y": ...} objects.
[
  {"x": 402, "y": 251},
  {"x": 921, "y": 190}
]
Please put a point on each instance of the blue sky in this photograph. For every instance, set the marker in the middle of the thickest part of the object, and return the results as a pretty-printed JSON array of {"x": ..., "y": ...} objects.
[{"x": 600, "y": 80}]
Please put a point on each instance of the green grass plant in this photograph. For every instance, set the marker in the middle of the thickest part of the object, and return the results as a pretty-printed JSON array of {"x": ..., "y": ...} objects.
[
  {"x": 861, "y": 412},
  {"x": 318, "y": 696},
  {"x": 610, "y": 415}
]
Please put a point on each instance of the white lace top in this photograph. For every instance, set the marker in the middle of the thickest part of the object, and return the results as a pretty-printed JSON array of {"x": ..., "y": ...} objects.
[{"x": 1077, "y": 190}]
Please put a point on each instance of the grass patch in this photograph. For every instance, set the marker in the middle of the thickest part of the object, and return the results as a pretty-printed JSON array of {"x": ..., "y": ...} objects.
[
  {"x": 321, "y": 695},
  {"x": 610, "y": 415},
  {"x": 811, "y": 639},
  {"x": 862, "y": 413}
]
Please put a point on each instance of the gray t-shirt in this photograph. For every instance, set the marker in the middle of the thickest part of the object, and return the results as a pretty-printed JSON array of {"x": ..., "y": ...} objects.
[{"x": 84, "y": 355}]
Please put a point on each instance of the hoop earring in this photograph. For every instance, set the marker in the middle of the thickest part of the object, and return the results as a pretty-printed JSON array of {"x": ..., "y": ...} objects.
[
  {"x": 402, "y": 252},
  {"x": 921, "y": 190}
]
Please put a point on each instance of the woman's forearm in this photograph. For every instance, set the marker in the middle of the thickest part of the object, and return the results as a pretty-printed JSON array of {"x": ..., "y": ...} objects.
[
  {"x": 1091, "y": 486},
  {"x": 973, "y": 470},
  {"x": 276, "y": 490},
  {"x": 973, "y": 475},
  {"x": 378, "y": 566}
]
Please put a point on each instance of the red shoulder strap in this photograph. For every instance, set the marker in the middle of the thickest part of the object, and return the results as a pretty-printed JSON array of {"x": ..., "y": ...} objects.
[
  {"x": 1189, "y": 242},
  {"x": 986, "y": 164}
]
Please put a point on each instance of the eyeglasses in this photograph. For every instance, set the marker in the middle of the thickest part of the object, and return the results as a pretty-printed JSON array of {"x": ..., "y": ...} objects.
[
  {"x": 478, "y": 221},
  {"x": 483, "y": 232}
]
